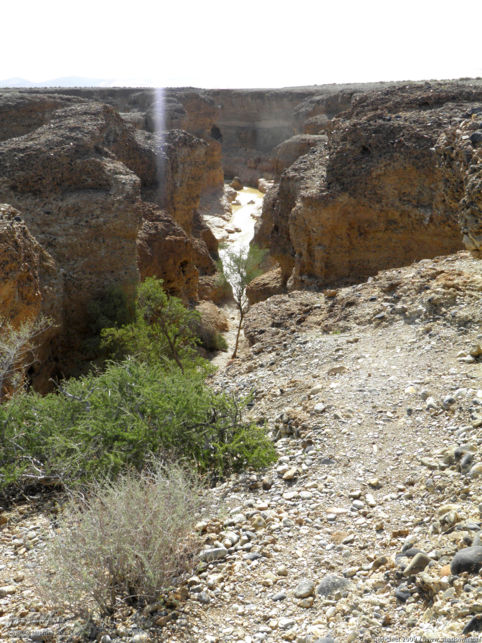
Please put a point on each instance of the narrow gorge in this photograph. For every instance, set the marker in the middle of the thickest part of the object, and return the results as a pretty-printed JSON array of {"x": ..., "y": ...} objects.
[{"x": 362, "y": 349}]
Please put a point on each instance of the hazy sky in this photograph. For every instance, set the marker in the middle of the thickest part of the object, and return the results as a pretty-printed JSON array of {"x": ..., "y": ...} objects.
[{"x": 250, "y": 43}]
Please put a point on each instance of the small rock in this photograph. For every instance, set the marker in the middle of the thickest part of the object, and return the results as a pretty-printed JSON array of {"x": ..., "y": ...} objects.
[
  {"x": 379, "y": 562},
  {"x": 290, "y": 474},
  {"x": 258, "y": 522},
  {"x": 203, "y": 598},
  {"x": 306, "y": 602},
  {"x": 430, "y": 403},
  {"x": 304, "y": 588},
  {"x": 209, "y": 555},
  {"x": 476, "y": 470},
  {"x": 42, "y": 635},
  {"x": 467, "y": 560},
  {"x": 474, "y": 625},
  {"x": 6, "y": 590},
  {"x": 402, "y": 595},
  {"x": 331, "y": 584},
  {"x": 280, "y": 596}
]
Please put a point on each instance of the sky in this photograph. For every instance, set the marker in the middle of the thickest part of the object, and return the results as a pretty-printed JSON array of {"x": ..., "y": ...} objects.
[{"x": 250, "y": 43}]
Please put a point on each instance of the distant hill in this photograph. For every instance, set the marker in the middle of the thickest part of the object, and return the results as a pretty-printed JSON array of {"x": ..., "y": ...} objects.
[{"x": 65, "y": 81}]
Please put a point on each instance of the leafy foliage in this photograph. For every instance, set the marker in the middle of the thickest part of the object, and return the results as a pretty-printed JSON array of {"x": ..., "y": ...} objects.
[
  {"x": 240, "y": 267},
  {"x": 163, "y": 328},
  {"x": 98, "y": 425}
]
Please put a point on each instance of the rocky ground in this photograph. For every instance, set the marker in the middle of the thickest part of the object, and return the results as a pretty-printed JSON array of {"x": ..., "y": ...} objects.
[{"x": 368, "y": 526}]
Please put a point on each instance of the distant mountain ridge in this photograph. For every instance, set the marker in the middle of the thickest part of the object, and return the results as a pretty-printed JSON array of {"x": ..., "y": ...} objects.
[{"x": 64, "y": 81}]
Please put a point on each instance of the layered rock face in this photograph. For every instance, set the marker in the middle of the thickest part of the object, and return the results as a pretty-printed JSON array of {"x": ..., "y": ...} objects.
[
  {"x": 81, "y": 204},
  {"x": 30, "y": 286},
  {"x": 460, "y": 154},
  {"x": 167, "y": 252},
  {"x": 372, "y": 197},
  {"x": 88, "y": 190}
]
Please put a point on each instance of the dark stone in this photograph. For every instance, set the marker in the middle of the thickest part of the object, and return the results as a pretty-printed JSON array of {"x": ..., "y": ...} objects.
[
  {"x": 331, "y": 584},
  {"x": 476, "y": 138},
  {"x": 402, "y": 595},
  {"x": 466, "y": 461},
  {"x": 474, "y": 625},
  {"x": 467, "y": 560}
]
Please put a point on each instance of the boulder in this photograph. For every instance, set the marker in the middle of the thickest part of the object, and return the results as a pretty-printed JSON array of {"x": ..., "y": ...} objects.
[{"x": 268, "y": 284}]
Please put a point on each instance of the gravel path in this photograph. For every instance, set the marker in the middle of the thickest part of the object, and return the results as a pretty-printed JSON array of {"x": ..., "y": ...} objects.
[{"x": 351, "y": 535}]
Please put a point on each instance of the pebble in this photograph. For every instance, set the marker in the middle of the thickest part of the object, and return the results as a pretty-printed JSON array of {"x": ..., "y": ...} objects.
[
  {"x": 467, "y": 560},
  {"x": 331, "y": 584},
  {"x": 476, "y": 470},
  {"x": 304, "y": 588},
  {"x": 417, "y": 564},
  {"x": 217, "y": 553},
  {"x": 280, "y": 596},
  {"x": 6, "y": 590}
]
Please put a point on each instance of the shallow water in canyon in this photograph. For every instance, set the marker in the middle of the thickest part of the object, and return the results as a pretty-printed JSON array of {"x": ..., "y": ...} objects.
[
  {"x": 243, "y": 219},
  {"x": 235, "y": 233}
]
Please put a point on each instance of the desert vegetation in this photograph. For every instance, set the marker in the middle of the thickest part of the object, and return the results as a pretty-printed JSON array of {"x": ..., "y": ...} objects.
[{"x": 120, "y": 439}]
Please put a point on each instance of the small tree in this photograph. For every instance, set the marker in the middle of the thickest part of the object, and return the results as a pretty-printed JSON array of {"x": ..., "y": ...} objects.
[
  {"x": 163, "y": 328},
  {"x": 240, "y": 267},
  {"x": 17, "y": 351}
]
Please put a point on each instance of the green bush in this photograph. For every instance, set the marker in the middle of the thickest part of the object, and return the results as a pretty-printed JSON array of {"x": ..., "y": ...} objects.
[
  {"x": 163, "y": 328},
  {"x": 126, "y": 540},
  {"x": 113, "y": 308},
  {"x": 98, "y": 425}
]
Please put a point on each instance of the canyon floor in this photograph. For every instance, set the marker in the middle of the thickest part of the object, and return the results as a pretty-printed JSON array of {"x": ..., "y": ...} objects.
[{"x": 373, "y": 394}]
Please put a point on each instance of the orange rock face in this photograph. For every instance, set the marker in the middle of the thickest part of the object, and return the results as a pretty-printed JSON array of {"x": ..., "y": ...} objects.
[
  {"x": 20, "y": 255},
  {"x": 370, "y": 198},
  {"x": 29, "y": 287},
  {"x": 165, "y": 251}
]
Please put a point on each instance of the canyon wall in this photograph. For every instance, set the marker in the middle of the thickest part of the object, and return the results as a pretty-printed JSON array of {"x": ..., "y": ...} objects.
[
  {"x": 95, "y": 202},
  {"x": 373, "y": 194},
  {"x": 105, "y": 186},
  {"x": 460, "y": 159}
]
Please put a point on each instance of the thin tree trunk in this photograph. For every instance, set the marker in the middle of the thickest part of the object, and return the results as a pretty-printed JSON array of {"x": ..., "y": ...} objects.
[{"x": 235, "y": 352}]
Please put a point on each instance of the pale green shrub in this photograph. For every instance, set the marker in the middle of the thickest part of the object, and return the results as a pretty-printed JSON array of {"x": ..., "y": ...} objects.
[{"x": 125, "y": 540}]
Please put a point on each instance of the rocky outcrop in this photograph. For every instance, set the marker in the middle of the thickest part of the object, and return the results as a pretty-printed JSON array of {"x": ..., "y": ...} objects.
[
  {"x": 266, "y": 285},
  {"x": 315, "y": 114},
  {"x": 179, "y": 166},
  {"x": 286, "y": 153},
  {"x": 81, "y": 203},
  {"x": 20, "y": 297},
  {"x": 165, "y": 251},
  {"x": 460, "y": 153},
  {"x": 106, "y": 202},
  {"x": 30, "y": 288},
  {"x": 21, "y": 113},
  {"x": 372, "y": 197}
]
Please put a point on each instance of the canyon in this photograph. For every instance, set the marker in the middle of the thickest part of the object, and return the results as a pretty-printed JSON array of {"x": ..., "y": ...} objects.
[
  {"x": 113, "y": 185},
  {"x": 362, "y": 352}
]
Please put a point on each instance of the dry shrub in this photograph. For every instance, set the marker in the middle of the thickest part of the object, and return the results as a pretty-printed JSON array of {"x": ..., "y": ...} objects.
[{"x": 126, "y": 540}]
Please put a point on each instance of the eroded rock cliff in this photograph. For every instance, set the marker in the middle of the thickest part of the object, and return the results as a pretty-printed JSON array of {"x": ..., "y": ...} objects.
[
  {"x": 372, "y": 196},
  {"x": 82, "y": 179},
  {"x": 460, "y": 151}
]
